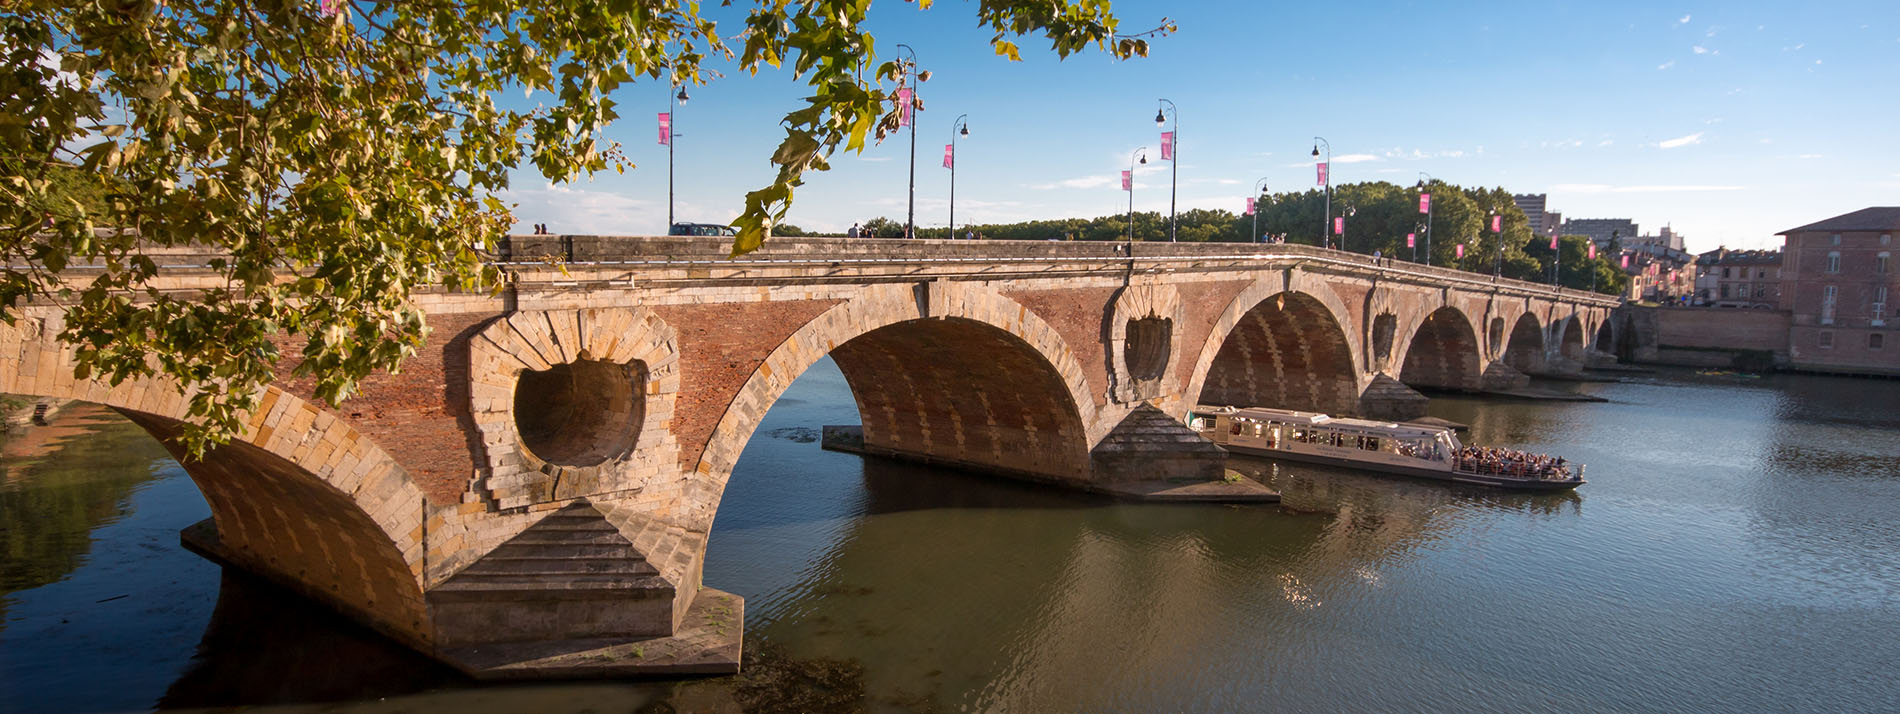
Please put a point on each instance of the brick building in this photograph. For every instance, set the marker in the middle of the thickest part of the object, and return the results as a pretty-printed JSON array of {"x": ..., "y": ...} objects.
[
  {"x": 1739, "y": 278},
  {"x": 1837, "y": 280}
]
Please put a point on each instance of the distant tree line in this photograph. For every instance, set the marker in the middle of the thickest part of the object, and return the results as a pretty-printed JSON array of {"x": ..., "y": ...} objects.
[{"x": 1378, "y": 216}]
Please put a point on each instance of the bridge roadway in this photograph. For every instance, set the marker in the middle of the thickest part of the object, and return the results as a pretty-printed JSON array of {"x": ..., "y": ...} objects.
[{"x": 531, "y": 495}]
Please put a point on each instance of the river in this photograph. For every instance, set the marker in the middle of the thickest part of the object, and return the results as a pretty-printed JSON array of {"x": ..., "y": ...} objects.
[{"x": 1737, "y": 549}]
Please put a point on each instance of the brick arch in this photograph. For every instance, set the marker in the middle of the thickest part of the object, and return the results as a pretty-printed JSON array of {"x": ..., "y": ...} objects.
[
  {"x": 1443, "y": 352},
  {"x": 1038, "y": 396},
  {"x": 298, "y": 493},
  {"x": 1524, "y": 347},
  {"x": 1571, "y": 343},
  {"x": 1283, "y": 342}
]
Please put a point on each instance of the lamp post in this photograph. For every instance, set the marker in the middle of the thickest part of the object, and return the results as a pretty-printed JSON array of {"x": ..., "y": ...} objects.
[
  {"x": 1171, "y": 150},
  {"x": 673, "y": 102},
  {"x": 1327, "y": 173},
  {"x": 1422, "y": 178},
  {"x": 1349, "y": 212},
  {"x": 1132, "y": 160},
  {"x": 911, "y": 79},
  {"x": 963, "y": 128},
  {"x": 1259, "y": 187}
]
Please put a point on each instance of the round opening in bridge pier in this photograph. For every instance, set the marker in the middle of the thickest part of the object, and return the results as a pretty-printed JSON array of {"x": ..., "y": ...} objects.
[
  {"x": 1146, "y": 346},
  {"x": 580, "y": 414}
]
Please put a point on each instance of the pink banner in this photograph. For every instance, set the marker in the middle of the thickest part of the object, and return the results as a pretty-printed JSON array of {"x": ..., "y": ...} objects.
[
  {"x": 1339, "y": 225},
  {"x": 1424, "y": 203},
  {"x": 1128, "y": 181},
  {"x": 1461, "y": 250},
  {"x": 666, "y": 128},
  {"x": 1497, "y": 224},
  {"x": 1411, "y": 240},
  {"x": 1249, "y": 207},
  {"x": 1626, "y": 261},
  {"x": 903, "y": 106},
  {"x": 1553, "y": 243},
  {"x": 1322, "y": 174},
  {"x": 949, "y": 156},
  {"x": 1167, "y": 145},
  {"x": 1593, "y": 251}
]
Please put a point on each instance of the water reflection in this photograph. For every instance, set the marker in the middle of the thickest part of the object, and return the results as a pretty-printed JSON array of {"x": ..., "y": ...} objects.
[{"x": 1732, "y": 539}]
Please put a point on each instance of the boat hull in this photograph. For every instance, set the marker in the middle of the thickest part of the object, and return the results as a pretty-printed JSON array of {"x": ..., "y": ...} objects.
[{"x": 1411, "y": 471}]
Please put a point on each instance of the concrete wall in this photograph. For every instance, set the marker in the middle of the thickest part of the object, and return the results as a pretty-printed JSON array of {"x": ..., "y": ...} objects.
[{"x": 1707, "y": 336}]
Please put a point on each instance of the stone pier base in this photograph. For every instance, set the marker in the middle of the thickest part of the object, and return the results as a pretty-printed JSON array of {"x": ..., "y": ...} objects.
[{"x": 1388, "y": 398}]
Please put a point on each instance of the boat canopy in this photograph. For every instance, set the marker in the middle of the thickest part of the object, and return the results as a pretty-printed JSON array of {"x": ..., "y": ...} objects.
[{"x": 1316, "y": 419}]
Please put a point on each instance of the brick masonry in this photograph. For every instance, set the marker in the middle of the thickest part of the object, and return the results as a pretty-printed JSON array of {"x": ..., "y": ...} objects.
[{"x": 1018, "y": 358}]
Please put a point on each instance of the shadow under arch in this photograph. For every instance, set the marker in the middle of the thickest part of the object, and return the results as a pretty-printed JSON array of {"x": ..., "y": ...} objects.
[
  {"x": 299, "y": 496},
  {"x": 1443, "y": 353},
  {"x": 1287, "y": 351},
  {"x": 1524, "y": 349},
  {"x": 945, "y": 372},
  {"x": 1571, "y": 345}
]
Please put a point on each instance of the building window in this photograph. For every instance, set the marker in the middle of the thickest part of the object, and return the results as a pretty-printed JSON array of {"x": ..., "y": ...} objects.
[
  {"x": 1827, "y": 304},
  {"x": 1886, "y": 238},
  {"x": 1837, "y": 239},
  {"x": 1759, "y": 291},
  {"x": 1834, "y": 261},
  {"x": 1725, "y": 272},
  {"x": 1880, "y": 263},
  {"x": 1880, "y": 305},
  {"x": 1827, "y": 339},
  {"x": 1759, "y": 274},
  {"x": 1724, "y": 291},
  {"x": 1875, "y": 340}
]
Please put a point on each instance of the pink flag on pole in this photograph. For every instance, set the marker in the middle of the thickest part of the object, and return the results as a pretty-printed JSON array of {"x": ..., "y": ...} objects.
[
  {"x": 1322, "y": 173},
  {"x": 1626, "y": 261},
  {"x": 666, "y": 128},
  {"x": 1424, "y": 203},
  {"x": 1593, "y": 251},
  {"x": 1553, "y": 243},
  {"x": 1461, "y": 250},
  {"x": 1167, "y": 145},
  {"x": 1249, "y": 207},
  {"x": 949, "y": 155},
  {"x": 1497, "y": 224},
  {"x": 1339, "y": 225},
  {"x": 1128, "y": 181},
  {"x": 903, "y": 106},
  {"x": 1411, "y": 240}
]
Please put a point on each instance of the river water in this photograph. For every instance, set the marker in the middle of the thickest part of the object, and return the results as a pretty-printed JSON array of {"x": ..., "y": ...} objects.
[{"x": 1737, "y": 549}]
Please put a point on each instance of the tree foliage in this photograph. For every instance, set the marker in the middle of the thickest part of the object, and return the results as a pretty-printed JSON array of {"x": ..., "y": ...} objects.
[{"x": 338, "y": 155}]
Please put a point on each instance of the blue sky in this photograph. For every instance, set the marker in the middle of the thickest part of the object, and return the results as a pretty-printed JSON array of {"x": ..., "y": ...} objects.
[{"x": 1729, "y": 121}]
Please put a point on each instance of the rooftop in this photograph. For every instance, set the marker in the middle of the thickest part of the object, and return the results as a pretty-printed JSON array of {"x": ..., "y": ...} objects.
[{"x": 1878, "y": 218}]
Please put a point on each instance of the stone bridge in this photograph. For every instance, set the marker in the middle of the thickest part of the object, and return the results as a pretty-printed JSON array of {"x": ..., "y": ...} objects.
[{"x": 531, "y": 495}]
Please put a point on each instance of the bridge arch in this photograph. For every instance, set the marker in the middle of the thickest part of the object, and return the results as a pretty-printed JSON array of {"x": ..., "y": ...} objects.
[
  {"x": 1572, "y": 342},
  {"x": 1282, "y": 342},
  {"x": 1524, "y": 349},
  {"x": 299, "y": 494},
  {"x": 946, "y": 370},
  {"x": 1444, "y": 352}
]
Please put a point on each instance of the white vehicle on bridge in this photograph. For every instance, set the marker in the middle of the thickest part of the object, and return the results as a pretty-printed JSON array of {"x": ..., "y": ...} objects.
[{"x": 1428, "y": 452}]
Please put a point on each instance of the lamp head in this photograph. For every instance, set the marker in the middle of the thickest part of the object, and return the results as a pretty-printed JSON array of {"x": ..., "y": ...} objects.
[
  {"x": 682, "y": 95},
  {"x": 1144, "y": 158},
  {"x": 965, "y": 131},
  {"x": 1159, "y": 118},
  {"x": 1316, "y": 149}
]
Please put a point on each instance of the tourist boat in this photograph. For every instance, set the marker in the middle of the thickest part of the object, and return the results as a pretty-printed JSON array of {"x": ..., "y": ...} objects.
[{"x": 1407, "y": 449}]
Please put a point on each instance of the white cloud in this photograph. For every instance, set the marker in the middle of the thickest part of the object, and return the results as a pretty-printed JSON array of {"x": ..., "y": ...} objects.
[
  {"x": 568, "y": 209},
  {"x": 1651, "y": 188},
  {"x": 1808, "y": 156},
  {"x": 1695, "y": 138},
  {"x": 1683, "y": 21},
  {"x": 1354, "y": 158},
  {"x": 1605, "y": 142},
  {"x": 873, "y": 158},
  {"x": 1666, "y": 65},
  {"x": 1699, "y": 49},
  {"x": 1794, "y": 47}
]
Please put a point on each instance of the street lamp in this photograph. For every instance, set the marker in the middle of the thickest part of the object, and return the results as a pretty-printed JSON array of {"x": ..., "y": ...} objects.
[
  {"x": 1422, "y": 179},
  {"x": 673, "y": 101},
  {"x": 1140, "y": 156},
  {"x": 1497, "y": 271},
  {"x": 1171, "y": 150},
  {"x": 1259, "y": 188},
  {"x": 1350, "y": 211},
  {"x": 909, "y": 70},
  {"x": 958, "y": 127},
  {"x": 1327, "y": 175}
]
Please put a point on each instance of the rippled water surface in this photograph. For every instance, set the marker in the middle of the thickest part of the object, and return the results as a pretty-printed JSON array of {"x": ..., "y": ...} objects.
[{"x": 1737, "y": 549}]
